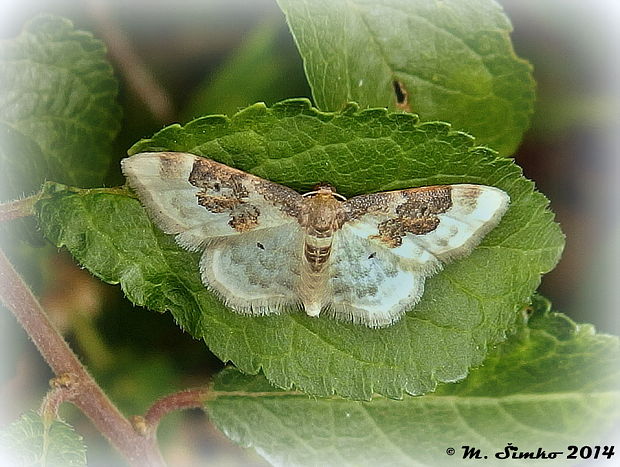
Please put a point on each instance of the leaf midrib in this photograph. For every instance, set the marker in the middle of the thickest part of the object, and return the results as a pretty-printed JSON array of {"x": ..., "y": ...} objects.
[{"x": 426, "y": 399}]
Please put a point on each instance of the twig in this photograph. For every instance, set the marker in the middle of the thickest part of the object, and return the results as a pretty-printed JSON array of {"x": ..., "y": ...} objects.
[
  {"x": 12, "y": 210},
  {"x": 63, "y": 389},
  {"x": 132, "y": 67},
  {"x": 187, "y": 399},
  {"x": 18, "y": 208},
  {"x": 17, "y": 297}
]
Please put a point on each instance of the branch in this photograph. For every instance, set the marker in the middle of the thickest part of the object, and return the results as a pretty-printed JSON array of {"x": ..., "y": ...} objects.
[
  {"x": 131, "y": 66},
  {"x": 85, "y": 393}
]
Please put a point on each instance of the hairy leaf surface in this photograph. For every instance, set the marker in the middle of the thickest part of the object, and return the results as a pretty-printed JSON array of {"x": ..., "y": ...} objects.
[{"x": 34, "y": 441}]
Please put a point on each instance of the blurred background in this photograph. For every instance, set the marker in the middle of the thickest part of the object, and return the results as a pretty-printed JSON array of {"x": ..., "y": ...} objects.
[{"x": 179, "y": 60}]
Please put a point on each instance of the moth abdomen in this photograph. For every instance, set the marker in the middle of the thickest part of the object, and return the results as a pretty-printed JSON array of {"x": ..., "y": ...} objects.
[{"x": 317, "y": 256}]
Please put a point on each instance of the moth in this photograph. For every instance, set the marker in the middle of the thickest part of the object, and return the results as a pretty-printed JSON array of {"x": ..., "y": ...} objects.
[{"x": 266, "y": 249}]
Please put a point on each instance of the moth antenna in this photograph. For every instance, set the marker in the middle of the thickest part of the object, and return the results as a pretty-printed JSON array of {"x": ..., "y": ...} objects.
[{"x": 325, "y": 189}]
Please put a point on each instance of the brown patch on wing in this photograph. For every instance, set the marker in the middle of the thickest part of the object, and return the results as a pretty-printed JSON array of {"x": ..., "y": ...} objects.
[
  {"x": 285, "y": 199},
  {"x": 356, "y": 207},
  {"x": 244, "y": 219},
  {"x": 224, "y": 189},
  {"x": 217, "y": 204},
  {"x": 425, "y": 201},
  {"x": 468, "y": 198},
  {"x": 221, "y": 190},
  {"x": 221, "y": 187},
  {"x": 392, "y": 231},
  {"x": 170, "y": 165},
  {"x": 417, "y": 214}
]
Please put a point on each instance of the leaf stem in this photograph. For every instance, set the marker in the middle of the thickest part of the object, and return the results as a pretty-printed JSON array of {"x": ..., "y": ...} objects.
[
  {"x": 88, "y": 396},
  {"x": 63, "y": 389},
  {"x": 186, "y": 399},
  {"x": 18, "y": 208},
  {"x": 189, "y": 399}
]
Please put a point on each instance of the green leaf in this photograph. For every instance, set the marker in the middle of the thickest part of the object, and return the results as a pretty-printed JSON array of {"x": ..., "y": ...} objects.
[
  {"x": 265, "y": 68},
  {"x": 58, "y": 110},
  {"x": 551, "y": 385},
  {"x": 453, "y": 59},
  {"x": 467, "y": 307},
  {"x": 34, "y": 441}
]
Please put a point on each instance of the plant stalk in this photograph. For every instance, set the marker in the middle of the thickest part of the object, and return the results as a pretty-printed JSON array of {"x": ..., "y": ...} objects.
[
  {"x": 18, "y": 208},
  {"x": 87, "y": 395},
  {"x": 186, "y": 399}
]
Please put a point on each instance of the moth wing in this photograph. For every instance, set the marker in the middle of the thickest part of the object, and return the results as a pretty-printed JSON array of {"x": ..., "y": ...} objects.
[
  {"x": 392, "y": 241},
  {"x": 425, "y": 227},
  {"x": 200, "y": 200},
  {"x": 255, "y": 273},
  {"x": 367, "y": 285}
]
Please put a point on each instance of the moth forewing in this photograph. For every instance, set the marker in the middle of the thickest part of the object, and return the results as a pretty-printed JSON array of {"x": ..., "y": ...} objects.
[{"x": 160, "y": 181}]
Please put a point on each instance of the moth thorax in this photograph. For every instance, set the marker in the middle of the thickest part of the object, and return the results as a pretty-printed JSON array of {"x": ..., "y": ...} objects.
[{"x": 321, "y": 214}]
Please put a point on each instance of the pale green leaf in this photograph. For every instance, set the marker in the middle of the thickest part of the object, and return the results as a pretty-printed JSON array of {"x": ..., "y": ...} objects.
[
  {"x": 465, "y": 309},
  {"x": 33, "y": 441},
  {"x": 58, "y": 110},
  {"x": 453, "y": 59},
  {"x": 551, "y": 385}
]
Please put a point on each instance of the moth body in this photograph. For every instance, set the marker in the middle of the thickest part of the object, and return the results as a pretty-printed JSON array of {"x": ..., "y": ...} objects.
[{"x": 321, "y": 217}]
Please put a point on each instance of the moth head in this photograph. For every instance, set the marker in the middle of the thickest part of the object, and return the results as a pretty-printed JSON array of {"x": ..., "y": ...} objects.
[{"x": 325, "y": 190}]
